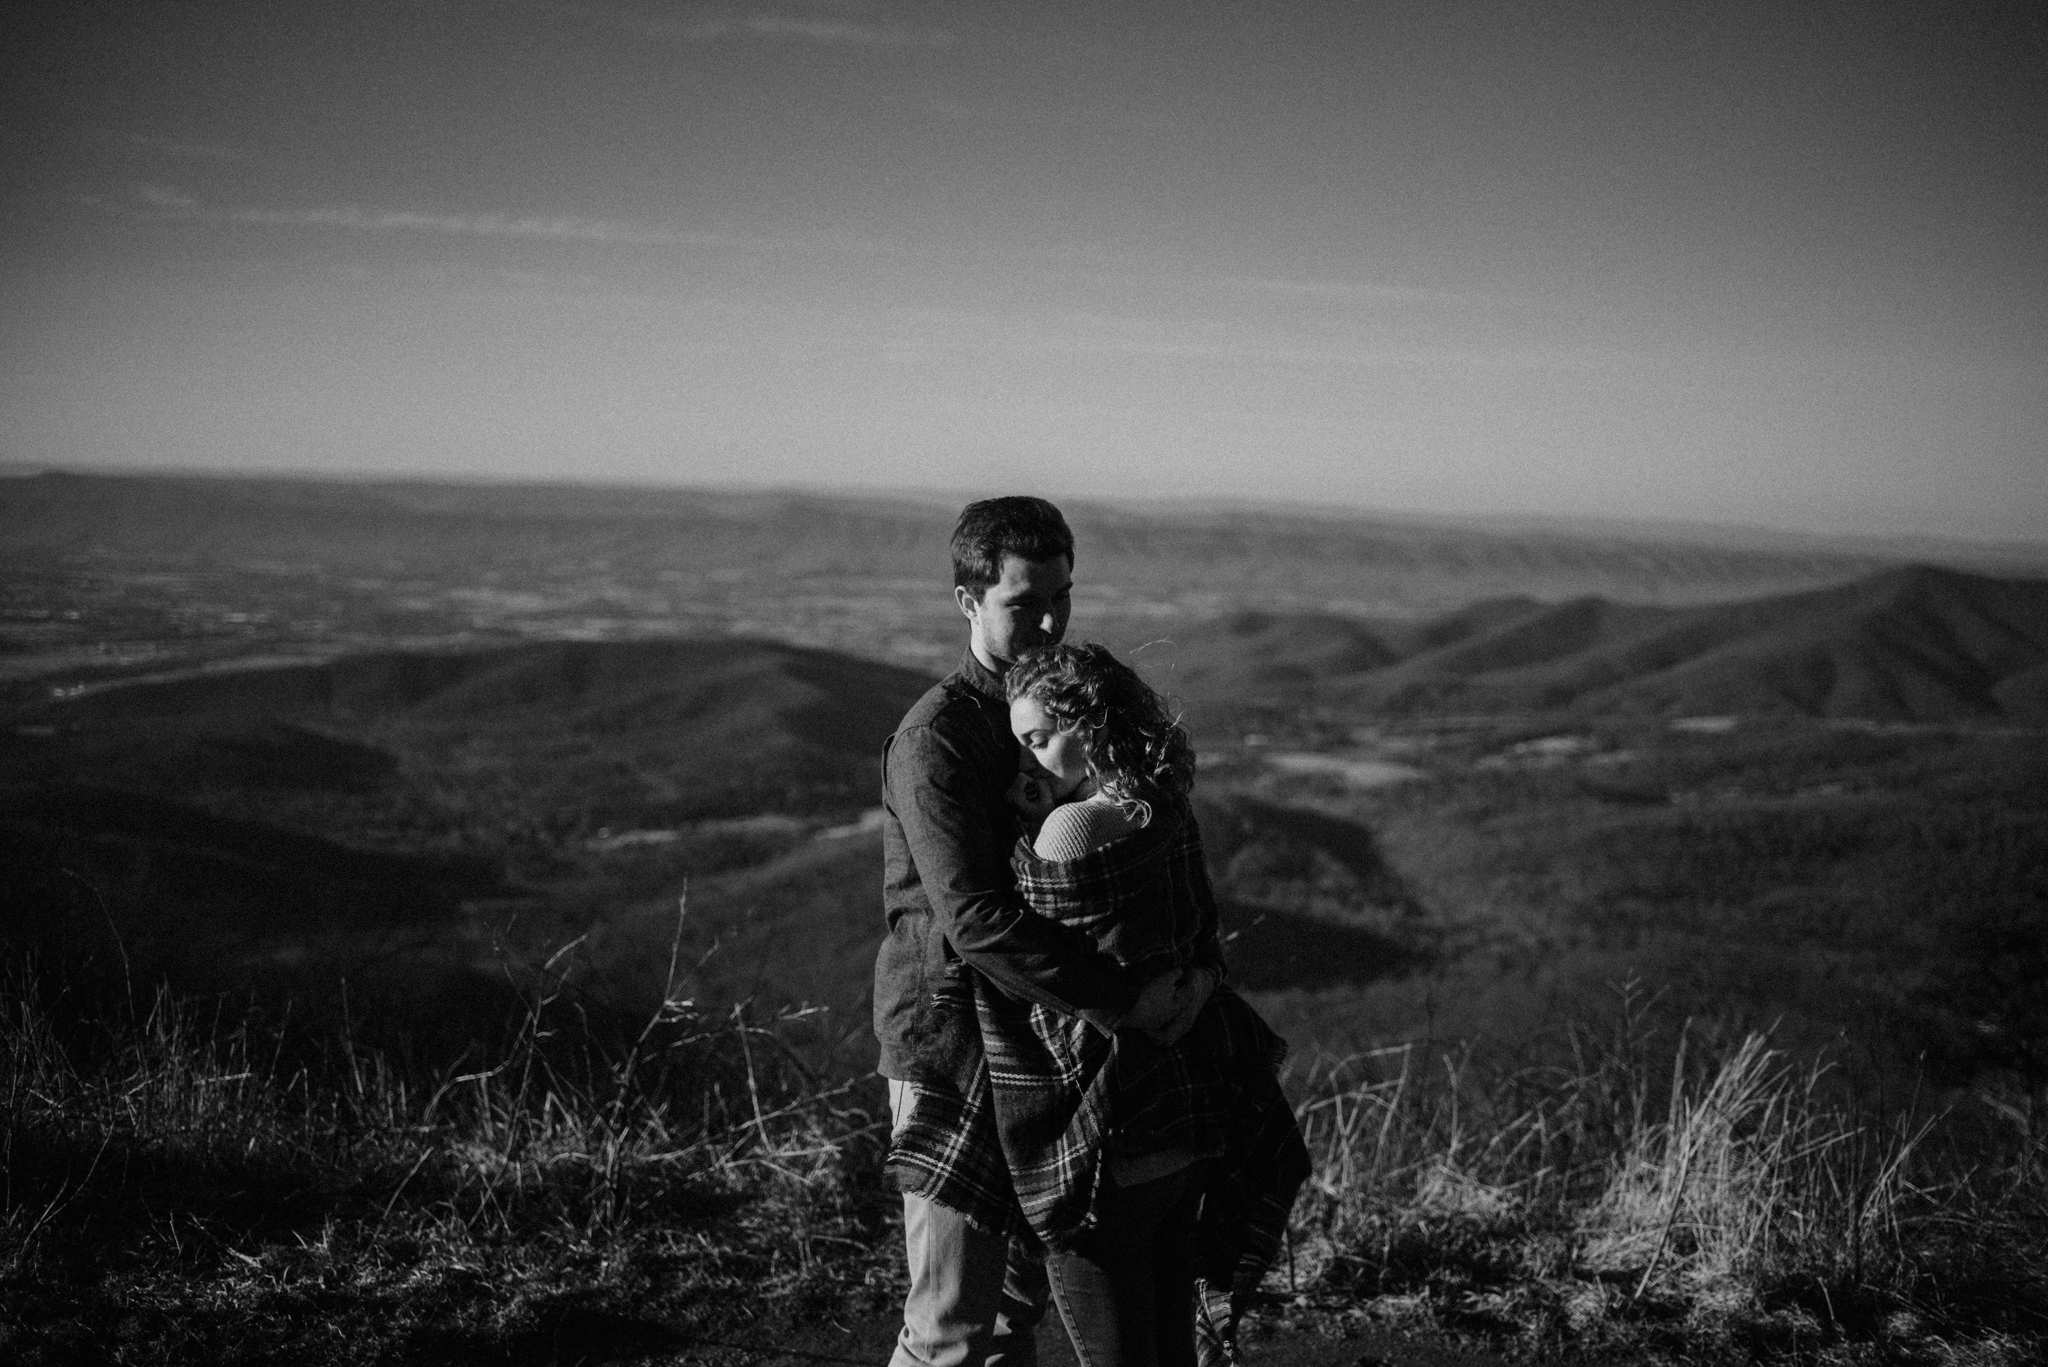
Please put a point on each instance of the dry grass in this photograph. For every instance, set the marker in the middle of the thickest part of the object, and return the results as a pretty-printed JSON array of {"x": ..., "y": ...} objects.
[
  {"x": 178, "y": 1189},
  {"x": 1728, "y": 1204},
  {"x": 187, "y": 1187}
]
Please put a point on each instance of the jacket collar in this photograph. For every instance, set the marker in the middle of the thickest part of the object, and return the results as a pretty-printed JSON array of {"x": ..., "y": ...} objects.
[{"x": 980, "y": 677}]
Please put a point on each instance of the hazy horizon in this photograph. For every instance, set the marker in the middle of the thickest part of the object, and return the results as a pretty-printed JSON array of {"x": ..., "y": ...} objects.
[
  {"x": 1756, "y": 266},
  {"x": 1563, "y": 524}
]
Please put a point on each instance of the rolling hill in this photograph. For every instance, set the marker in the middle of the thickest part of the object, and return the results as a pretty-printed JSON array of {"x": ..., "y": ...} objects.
[
  {"x": 1264, "y": 653},
  {"x": 388, "y": 819},
  {"x": 387, "y": 816},
  {"x": 1914, "y": 644},
  {"x": 608, "y": 732}
]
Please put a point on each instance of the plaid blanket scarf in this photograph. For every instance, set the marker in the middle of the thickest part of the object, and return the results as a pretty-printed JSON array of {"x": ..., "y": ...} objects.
[{"x": 1026, "y": 1146}]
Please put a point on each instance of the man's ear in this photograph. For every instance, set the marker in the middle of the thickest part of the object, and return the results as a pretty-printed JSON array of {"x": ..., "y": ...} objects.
[{"x": 970, "y": 606}]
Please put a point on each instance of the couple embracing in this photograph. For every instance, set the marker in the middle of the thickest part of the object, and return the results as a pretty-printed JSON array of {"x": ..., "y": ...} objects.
[{"x": 1083, "y": 1110}]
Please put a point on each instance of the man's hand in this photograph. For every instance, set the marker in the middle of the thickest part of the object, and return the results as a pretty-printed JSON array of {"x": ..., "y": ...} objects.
[
  {"x": 1192, "y": 987},
  {"x": 1160, "y": 1002},
  {"x": 1031, "y": 796}
]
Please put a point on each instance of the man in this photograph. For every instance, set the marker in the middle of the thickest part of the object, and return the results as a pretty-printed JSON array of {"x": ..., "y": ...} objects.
[{"x": 976, "y": 1296}]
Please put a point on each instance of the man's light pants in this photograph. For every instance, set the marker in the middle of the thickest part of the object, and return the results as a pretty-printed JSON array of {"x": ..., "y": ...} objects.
[{"x": 975, "y": 1300}]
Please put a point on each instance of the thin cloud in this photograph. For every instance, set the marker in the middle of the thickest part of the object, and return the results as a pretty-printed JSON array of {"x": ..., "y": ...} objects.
[
  {"x": 708, "y": 24},
  {"x": 1250, "y": 352},
  {"x": 1506, "y": 358},
  {"x": 1076, "y": 334},
  {"x": 1346, "y": 289},
  {"x": 350, "y": 218},
  {"x": 840, "y": 31}
]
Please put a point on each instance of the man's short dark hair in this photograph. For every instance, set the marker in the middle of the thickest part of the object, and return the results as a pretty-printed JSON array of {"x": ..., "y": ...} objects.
[{"x": 995, "y": 528}]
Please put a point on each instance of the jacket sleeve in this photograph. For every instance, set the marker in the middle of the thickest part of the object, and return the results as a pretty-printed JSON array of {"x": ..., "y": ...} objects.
[{"x": 964, "y": 867}]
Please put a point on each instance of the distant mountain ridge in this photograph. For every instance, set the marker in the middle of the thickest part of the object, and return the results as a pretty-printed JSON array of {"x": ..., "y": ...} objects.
[
  {"x": 1183, "y": 556},
  {"x": 1918, "y": 643}
]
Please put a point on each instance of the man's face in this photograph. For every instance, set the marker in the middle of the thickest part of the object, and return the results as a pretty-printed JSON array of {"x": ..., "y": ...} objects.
[{"x": 1026, "y": 608}]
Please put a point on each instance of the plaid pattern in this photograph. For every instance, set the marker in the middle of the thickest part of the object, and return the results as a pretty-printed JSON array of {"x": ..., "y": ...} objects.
[
  {"x": 946, "y": 1151},
  {"x": 1145, "y": 900},
  {"x": 1247, "y": 1196},
  {"x": 1026, "y": 1145}
]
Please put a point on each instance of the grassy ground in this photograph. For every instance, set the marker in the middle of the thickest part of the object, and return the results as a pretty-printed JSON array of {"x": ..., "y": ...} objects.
[
  {"x": 207, "y": 1187},
  {"x": 186, "y": 1188},
  {"x": 1687, "y": 1198}
]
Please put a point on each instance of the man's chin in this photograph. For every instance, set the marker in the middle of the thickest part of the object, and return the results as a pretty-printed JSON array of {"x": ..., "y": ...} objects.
[{"x": 1014, "y": 650}]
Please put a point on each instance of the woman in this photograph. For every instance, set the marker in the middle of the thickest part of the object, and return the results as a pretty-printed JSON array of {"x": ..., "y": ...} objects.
[{"x": 1143, "y": 1167}]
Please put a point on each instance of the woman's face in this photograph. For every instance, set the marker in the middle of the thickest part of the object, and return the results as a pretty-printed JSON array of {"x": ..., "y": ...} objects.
[{"x": 1055, "y": 754}]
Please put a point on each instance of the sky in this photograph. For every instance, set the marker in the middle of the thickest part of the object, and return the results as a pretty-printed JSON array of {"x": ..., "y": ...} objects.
[{"x": 1780, "y": 264}]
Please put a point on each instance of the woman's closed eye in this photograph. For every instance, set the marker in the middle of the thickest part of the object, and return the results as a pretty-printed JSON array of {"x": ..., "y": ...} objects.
[{"x": 1058, "y": 752}]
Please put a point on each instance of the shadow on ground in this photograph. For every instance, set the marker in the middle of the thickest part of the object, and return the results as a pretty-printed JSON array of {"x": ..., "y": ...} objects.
[{"x": 867, "y": 1343}]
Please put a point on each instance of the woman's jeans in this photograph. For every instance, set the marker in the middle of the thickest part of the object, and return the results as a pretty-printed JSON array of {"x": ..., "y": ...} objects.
[{"x": 1128, "y": 1292}]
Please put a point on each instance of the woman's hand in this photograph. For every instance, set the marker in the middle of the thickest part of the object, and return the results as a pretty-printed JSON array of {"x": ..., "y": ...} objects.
[
  {"x": 1160, "y": 1002},
  {"x": 1191, "y": 991},
  {"x": 1168, "y": 1004}
]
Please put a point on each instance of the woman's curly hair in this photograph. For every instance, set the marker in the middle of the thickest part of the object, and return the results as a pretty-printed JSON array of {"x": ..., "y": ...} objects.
[{"x": 1141, "y": 753}]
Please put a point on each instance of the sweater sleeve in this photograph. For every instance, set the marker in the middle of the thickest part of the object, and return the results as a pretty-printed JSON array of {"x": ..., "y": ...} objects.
[{"x": 1074, "y": 829}]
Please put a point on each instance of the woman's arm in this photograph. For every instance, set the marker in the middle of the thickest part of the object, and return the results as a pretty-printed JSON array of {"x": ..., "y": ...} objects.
[{"x": 1075, "y": 829}]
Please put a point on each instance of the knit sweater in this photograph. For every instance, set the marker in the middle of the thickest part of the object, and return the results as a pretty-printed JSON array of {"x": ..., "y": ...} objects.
[{"x": 1074, "y": 829}]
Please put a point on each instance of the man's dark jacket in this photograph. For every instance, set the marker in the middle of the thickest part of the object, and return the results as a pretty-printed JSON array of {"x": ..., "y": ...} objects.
[{"x": 950, "y": 897}]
